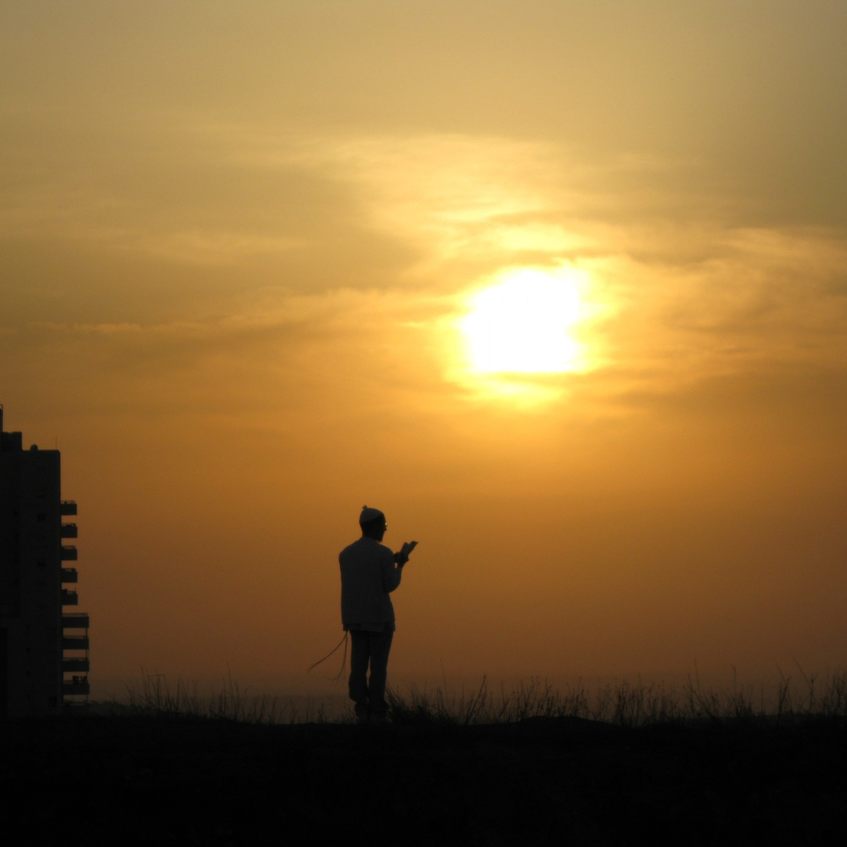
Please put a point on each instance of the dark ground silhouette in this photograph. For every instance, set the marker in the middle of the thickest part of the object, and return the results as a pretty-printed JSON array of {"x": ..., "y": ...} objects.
[{"x": 560, "y": 781}]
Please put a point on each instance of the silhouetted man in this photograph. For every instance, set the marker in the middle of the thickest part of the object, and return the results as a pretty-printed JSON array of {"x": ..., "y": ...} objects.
[{"x": 369, "y": 573}]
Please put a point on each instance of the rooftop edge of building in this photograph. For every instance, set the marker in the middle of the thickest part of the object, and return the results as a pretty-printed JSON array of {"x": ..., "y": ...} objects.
[{"x": 12, "y": 442}]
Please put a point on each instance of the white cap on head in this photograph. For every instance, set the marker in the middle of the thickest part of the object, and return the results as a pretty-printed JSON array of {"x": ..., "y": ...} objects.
[{"x": 369, "y": 515}]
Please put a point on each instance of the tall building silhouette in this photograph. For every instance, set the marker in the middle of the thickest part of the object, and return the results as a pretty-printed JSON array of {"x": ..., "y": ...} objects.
[{"x": 43, "y": 641}]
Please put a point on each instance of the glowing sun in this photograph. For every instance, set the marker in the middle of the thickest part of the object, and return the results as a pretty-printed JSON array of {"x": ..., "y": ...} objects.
[{"x": 524, "y": 322}]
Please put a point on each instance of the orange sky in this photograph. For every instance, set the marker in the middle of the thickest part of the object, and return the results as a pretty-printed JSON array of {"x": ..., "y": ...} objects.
[{"x": 239, "y": 241}]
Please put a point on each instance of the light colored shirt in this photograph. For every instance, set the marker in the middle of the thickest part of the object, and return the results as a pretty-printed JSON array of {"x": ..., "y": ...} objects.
[{"x": 368, "y": 575}]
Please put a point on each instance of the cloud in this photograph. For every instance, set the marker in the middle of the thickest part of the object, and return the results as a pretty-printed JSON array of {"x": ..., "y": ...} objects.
[
  {"x": 204, "y": 239},
  {"x": 317, "y": 353}
]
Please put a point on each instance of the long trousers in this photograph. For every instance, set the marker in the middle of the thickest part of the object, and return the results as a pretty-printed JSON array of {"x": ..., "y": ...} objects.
[{"x": 369, "y": 649}]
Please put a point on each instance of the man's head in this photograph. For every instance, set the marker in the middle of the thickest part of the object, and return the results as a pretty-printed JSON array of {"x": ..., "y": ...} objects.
[{"x": 372, "y": 522}]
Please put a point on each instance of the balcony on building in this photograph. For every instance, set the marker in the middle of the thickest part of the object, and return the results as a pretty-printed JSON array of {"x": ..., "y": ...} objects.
[
  {"x": 75, "y": 620},
  {"x": 69, "y": 597},
  {"x": 75, "y": 665},
  {"x": 68, "y": 530},
  {"x": 68, "y": 553},
  {"x": 74, "y": 642},
  {"x": 76, "y": 685},
  {"x": 67, "y": 507},
  {"x": 69, "y": 575}
]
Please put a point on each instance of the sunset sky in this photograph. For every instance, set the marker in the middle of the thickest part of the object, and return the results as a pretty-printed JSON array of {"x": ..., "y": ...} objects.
[{"x": 248, "y": 250}]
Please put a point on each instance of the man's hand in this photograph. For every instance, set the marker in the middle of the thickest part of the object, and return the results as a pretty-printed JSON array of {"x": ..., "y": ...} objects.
[{"x": 401, "y": 558}]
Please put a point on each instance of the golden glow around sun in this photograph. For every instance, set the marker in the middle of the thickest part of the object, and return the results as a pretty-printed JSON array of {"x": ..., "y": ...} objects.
[{"x": 524, "y": 322}]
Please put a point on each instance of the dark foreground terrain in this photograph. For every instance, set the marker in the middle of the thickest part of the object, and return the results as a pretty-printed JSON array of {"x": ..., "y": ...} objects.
[{"x": 129, "y": 780}]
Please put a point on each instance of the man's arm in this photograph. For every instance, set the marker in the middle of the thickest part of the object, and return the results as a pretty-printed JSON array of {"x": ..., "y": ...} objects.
[{"x": 392, "y": 571}]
